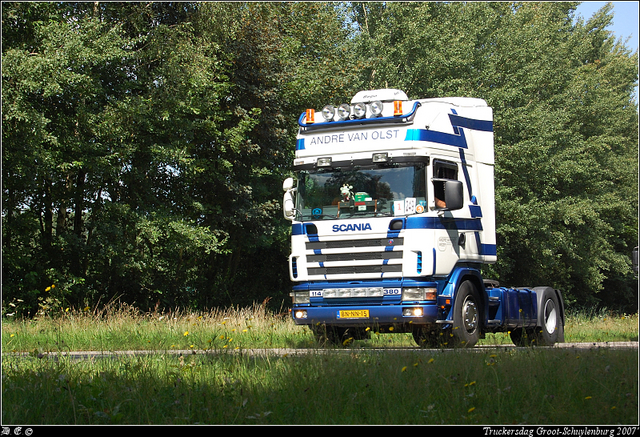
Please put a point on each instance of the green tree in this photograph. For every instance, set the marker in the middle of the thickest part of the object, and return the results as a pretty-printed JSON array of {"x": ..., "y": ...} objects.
[
  {"x": 106, "y": 175},
  {"x": 565, "y": 127},
  {"x": 145, "y": 146}
]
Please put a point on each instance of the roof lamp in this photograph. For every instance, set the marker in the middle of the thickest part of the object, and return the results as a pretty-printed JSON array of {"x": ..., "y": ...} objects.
[
  {"x": 380, "y": 157},
  {"x": 323, "y": 162},
  {"x": 311, "y": 115},
  {"x": 344, "y": 111},
  {"x": 328, "y": 112},
  {"x": 359, "y": 110},
  {"x": 397, "y": 107},
  {"x": 376, "y": 108}
]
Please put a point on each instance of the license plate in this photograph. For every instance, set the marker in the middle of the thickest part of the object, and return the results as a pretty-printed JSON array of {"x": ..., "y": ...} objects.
[{"x": 353, "y": 314}]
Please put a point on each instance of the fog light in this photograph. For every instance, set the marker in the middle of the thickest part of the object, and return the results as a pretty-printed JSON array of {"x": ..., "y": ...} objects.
[
  {"x": 344, "y": 111},
  {"x": 413, "y": 312},
  {"x": 328, "y": 112},
  {"x": 376, "y": 108},
  {"x": 300, "y": 314},
  {"x": 359, "y": 110}
]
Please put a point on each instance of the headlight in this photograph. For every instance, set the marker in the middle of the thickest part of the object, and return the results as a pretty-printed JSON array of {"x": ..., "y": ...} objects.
[
  {"x": 344, "y": 111},
  {"x": 419, "y": 293},
  {"x": 360, "y": 110},
  {"x": 376, "y": 108},
  {"x": 300, "y": 296},
  {"x": 328, "y": 112}
]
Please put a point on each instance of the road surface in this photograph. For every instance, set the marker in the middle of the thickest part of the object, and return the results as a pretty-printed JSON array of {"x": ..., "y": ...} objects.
[{"x": 284, "y": 352}]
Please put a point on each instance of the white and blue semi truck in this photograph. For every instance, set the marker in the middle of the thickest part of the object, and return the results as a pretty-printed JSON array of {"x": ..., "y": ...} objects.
[{"x": 393, "y": 218}]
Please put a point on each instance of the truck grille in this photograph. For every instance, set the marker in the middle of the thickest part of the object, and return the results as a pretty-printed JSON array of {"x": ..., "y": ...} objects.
[{"x": 368, "y": 256}]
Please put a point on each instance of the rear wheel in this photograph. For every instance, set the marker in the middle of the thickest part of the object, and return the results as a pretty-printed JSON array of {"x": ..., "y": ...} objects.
[
  {"x": 523, "y": 337},
  {"x": 552, "y": 329}
]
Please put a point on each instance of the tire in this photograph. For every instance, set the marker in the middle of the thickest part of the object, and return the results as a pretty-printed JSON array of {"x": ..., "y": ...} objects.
[
  {"x": 327, "y": 335},
  {"x": 427, "y": 336},
  {"x": 467, "y": 316},
  {"x": 523, "y": 337},
  {"x": 552, "y": 329}
]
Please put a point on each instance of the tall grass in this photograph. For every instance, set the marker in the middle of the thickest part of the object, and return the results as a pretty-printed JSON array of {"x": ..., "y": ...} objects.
[{"x": 120, "y": 327}]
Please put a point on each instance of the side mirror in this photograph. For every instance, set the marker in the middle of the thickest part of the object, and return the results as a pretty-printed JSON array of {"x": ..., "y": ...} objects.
[
  {"x": 288, "y": 204},
  {"x": 454, "y": 195}
]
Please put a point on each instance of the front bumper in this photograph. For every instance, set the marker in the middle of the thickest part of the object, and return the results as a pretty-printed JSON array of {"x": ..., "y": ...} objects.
[{"x": 366, "y": 315}]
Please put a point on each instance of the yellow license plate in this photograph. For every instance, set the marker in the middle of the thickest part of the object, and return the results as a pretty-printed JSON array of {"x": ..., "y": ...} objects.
[{"x": 353, "y": 314}]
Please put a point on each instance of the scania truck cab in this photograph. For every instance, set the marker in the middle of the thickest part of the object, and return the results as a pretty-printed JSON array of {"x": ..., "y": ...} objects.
[{"x": 393, "y": 218}]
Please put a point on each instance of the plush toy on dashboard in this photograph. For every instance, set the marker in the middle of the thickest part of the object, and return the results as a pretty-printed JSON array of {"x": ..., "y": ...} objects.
[{"x": 346, "y": 192}]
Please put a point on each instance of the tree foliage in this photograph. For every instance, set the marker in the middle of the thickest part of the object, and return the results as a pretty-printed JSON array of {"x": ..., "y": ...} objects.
[{"x": 144, "y": 144}]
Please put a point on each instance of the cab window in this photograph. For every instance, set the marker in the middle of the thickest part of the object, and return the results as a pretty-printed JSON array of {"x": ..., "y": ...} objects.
[{"x": 442, "y": 172}]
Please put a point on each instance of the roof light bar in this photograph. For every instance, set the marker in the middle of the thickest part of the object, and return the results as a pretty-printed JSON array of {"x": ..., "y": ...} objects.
[{"x": 377, "y": 106}]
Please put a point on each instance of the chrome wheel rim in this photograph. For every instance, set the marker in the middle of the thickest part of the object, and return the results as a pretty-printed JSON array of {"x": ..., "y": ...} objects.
[
  {"x": 469, "y": 315},
  {"x": 550, "y": 316}
]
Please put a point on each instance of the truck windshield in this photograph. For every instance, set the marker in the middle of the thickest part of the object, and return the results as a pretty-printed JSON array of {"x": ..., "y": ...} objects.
[{"x": 360, "y": 191}]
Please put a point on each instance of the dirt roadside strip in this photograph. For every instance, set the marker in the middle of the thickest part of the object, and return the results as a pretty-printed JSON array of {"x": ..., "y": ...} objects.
[{"x": 284, "y": 352}]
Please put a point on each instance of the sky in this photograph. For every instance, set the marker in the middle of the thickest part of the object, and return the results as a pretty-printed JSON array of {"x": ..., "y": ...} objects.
[{"x": 625, "y": 19}]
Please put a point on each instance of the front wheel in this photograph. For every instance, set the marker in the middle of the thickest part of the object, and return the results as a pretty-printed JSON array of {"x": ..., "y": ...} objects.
[
  {"x": 427, "y": 336},
  {"x": 467, "y": 316},
  {"x": 327, "y": 335}
]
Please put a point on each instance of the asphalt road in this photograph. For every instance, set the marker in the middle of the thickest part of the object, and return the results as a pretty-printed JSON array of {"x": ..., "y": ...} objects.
[{"x": 87, "y": 355}]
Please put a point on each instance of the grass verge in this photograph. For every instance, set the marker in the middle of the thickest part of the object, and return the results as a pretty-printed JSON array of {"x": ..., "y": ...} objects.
[
  {"x": 124, "y": 328},
  {"x": 515, "y": 386}
]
